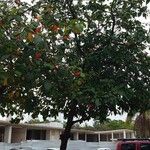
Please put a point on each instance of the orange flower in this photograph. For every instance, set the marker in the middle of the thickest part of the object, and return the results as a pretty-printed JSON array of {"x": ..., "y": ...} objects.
[
  {"x": 54, "y": 28},
  {"x": 30, "y": 37},
  {"x": 37, "y": 17},
  {"x": 37, "y": 30},
  {"x": 17, "y": 2},
  {"x": 77, "y": 73},
  {"x": 5, "y": 82},
  {"x": 90, "y": 106},
  {"x": 37, "y": 55},
  {"x": 66, "y": 37},
  {"x": 1, "y": 23},
  {"x": 18, "y": 37}
]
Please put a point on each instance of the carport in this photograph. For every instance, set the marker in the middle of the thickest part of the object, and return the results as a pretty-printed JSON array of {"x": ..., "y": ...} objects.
[
  {"x": 2, "y": 132},
  {"x": 36, "y": 134}
]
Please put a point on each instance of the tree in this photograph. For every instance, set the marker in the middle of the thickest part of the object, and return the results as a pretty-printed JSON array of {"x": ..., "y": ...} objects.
[
  {"x": 108, "y": 124},
  {"x": 34, "y": 121},
  {"x": 85, "y": 59},
  {"x": 112, "y": 125},
  {"x": 140, "y": 120},
  {"x": 141, "y": 123},
  {"x": 37, "y": 121}
]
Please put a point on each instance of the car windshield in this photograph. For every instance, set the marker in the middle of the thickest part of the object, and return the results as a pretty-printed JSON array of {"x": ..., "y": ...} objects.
[
  {"x": 145, "y": 146},
  {"x": 128, "y": 146}
]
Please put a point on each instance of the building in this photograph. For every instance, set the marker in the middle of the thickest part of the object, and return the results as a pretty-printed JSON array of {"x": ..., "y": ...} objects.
[{"x": 15, "y": 133}]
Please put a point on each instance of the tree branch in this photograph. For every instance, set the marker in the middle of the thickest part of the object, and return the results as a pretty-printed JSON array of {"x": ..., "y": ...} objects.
[
  {"x": 72, "y": 11},
  {"x": 113, "y": 19},
  {"x": 82, "y": 119},
  {"x": 74, "y": 16}
]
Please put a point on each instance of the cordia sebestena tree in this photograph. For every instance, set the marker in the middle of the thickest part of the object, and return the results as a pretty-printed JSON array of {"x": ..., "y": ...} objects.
[{"x": 82, "y": 58}]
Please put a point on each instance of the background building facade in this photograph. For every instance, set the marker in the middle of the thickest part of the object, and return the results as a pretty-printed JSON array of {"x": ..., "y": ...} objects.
[{"x": 15, "y": 133}]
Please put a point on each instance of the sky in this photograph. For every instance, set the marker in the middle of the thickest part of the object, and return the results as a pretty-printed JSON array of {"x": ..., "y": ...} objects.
[{"x": 60, "y": 118}]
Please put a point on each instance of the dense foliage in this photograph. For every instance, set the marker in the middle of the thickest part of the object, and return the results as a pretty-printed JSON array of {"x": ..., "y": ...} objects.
[
  {"x": 141, "y": 122},
  {"x": 38, "y": 121},
  {"x": 107, "y": 125},
  {"x": 142, "y": 125},
  {"x": 113, "y": 125},
  {"x": 84, "y": 59}
]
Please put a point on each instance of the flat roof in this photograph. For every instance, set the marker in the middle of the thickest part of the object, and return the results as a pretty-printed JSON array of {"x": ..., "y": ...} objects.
[
  {"x": 115, "y": 131},
  {"x": 46, "y": 127}
]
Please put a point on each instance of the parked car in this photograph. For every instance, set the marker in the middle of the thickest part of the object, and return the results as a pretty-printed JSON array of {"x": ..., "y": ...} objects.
[
  {"x": 104, "y": 148},
  {"x": 22, "y": 148},
  {"x": 52, "y": 149},
  {"x": 133, "y": 144}
]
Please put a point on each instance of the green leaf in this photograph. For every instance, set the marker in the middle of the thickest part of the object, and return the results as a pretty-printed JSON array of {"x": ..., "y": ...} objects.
[
  {"x": 48, "y": 65},
  {"x": 47, "y": 85},
  {"x": 18, "y": 73}
]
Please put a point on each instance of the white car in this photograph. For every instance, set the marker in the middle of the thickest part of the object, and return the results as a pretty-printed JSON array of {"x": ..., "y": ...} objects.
[
  {"x": 52, "y": 149},
  {"x": 104, "y": 148},
  {"x": 21, "y": 148}
]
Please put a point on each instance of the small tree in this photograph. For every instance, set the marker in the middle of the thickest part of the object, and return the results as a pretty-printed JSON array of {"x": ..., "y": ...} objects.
[
  {"x": 34, "y": 121},
  {"x": 142, "y": 125},
  {"x": 84, "y": 59},
  {"x": 141, "y": 122}
]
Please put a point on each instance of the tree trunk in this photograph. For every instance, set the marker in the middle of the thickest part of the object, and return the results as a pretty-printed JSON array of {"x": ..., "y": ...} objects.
[{"x": 66, "y": 134}]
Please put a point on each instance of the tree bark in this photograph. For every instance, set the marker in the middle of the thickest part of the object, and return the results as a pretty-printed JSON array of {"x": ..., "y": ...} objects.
[{"x": 66, "y": 134}]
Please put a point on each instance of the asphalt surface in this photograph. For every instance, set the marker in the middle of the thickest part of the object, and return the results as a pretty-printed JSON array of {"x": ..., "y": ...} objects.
[{"x": 43, "y": 145}]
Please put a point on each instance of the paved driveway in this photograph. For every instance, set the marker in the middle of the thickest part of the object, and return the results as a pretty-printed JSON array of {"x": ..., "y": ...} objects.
[{"x": 72, "y": 145}]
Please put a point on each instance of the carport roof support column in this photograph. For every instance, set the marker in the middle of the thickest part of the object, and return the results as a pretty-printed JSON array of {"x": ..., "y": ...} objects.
[
  {"x": 99, "y": 137},
  {"x": 112, "y": 136},
  {"x": 124, "y": 134},
  {"x": 8, "y": 134},
  {"x": 85, "y": 137}
]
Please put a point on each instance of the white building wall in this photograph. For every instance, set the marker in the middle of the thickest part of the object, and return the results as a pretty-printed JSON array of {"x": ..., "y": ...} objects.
[
  {"x": 18, "y": 135},
  {"x": 54, "y": 134},
  {"x": 8, "y": 134},
  {"x": 48, "y": 134}
]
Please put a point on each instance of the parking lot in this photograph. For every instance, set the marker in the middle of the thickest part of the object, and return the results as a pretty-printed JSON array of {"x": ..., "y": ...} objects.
[{"x": 43, "y": 145}]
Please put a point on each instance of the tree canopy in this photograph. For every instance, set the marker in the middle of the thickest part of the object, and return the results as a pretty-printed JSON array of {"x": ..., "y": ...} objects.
[
  {"x": 113, "y": 125},
  {"x": 106, "y": 125},
  {"x": 85, "y": 59},
  {"x": 141, "y": 123}
]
